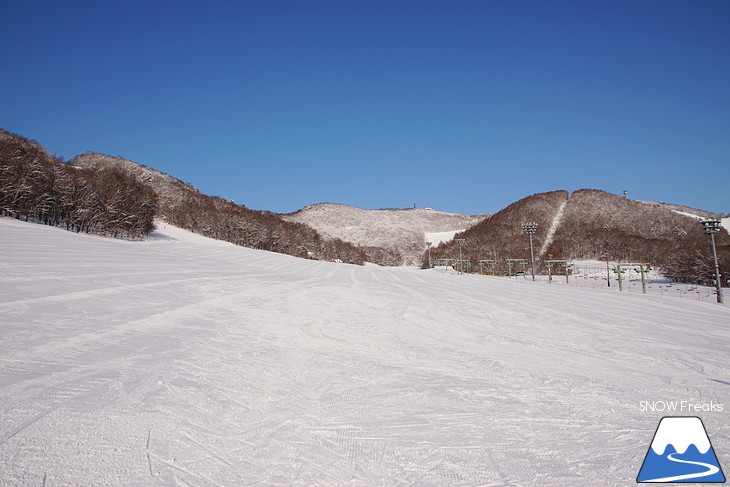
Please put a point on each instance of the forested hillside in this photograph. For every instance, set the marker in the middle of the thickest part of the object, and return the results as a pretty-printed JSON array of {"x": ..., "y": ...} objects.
[
  {"x": 184, "y": 206},
  {"x": 34, "y": 185},
  {"x": 599, "y": 225},
  {"x": 592, "y": 224},
  {"x": 114, "y": 197},
  {"x": 499, "y": 237}
]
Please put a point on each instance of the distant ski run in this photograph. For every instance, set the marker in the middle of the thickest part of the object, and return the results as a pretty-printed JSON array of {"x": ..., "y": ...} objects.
[{"x": 553, "y": 226}]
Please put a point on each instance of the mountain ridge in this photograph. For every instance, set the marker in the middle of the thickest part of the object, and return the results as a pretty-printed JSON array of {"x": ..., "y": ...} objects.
[
  {"x": 398, "y": 230},
  {"x": 183, "y": 205},
  {"x": 593, "y": 225},
  {"x": 583, "y": 224}
]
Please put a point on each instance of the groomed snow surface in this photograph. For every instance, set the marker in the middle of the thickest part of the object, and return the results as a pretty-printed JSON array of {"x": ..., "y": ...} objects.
[{"x": 183, "y": 361}]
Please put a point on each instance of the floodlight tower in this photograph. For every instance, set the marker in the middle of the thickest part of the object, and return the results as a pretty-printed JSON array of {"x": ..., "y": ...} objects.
[
  {"x": 529, "y": 228},
  {"x": 460, "y": 241},
  {"x": 712, "y": 226}
]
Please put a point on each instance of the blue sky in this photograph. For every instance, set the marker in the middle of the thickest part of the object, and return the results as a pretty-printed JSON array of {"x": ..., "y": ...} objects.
[{"x": 463, "y": 106}]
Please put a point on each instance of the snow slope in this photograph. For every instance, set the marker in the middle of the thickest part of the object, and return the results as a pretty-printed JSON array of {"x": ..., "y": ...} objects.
[
  {"x": 553, "y": 226},
  {"x": 724, "y": 222},
  {"x": 183, "y": 361},
  {"x": 404, "y": 230},
  {"x": 437, "y": 238}
]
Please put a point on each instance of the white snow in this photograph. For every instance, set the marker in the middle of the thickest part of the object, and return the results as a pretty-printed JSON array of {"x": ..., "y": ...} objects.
[
  {"x": 437, "y": 238},
  {"x": 724, "y": 222},
  {"x": 691, "y": 215},
  {"x": 553, "y": 227},
  {"x": 182, "y": 361}
]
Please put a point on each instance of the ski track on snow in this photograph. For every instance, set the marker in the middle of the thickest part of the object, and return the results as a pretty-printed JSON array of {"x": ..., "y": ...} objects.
[
  {"x": 553, "y": 227},
  {"x": 174, "y": 362}
]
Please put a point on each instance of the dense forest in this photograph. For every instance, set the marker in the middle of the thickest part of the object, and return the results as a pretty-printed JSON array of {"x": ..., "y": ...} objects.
[{"x": 35, "y": 185}]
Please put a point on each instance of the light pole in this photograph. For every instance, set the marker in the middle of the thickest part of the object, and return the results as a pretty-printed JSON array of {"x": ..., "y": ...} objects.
[
  {"x": 607, "y": 228},
  {"x": 712, "y": 226},
  {"x": 529, "y": 229},
  {"x": 460, "y": 241},
  {"x": 429, "y": 253}
]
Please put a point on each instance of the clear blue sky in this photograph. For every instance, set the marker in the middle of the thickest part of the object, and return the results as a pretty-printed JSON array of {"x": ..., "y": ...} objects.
[{"x": 463, "y": 106}]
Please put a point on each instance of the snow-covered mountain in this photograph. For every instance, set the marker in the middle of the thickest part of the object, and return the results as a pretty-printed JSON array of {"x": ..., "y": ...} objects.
[
  {"x": 167, "y": 187},
  {"x": 113, "y": 196},
  {"x": 593, "y": 224},
  {"x": 389, "y": 236},
  {"x": 181, "y": 204},
  {"x": 400, "y": 230}
]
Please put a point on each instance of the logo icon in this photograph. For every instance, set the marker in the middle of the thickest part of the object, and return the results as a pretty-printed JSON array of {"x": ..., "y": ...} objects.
[{"x": 681, "y": 452}]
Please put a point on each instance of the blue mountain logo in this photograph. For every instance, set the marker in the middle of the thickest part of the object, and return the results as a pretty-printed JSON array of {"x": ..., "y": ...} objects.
[{"x": 681, "y": 452}]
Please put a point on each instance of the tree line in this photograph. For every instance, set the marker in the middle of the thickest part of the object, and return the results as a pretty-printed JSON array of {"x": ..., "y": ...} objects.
[
  {"x": 594, "y": 225},
  {"x": 222, "y": 219},
  {"x": 114, "y": 197},
  {"x": 37, "y": 186}
]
